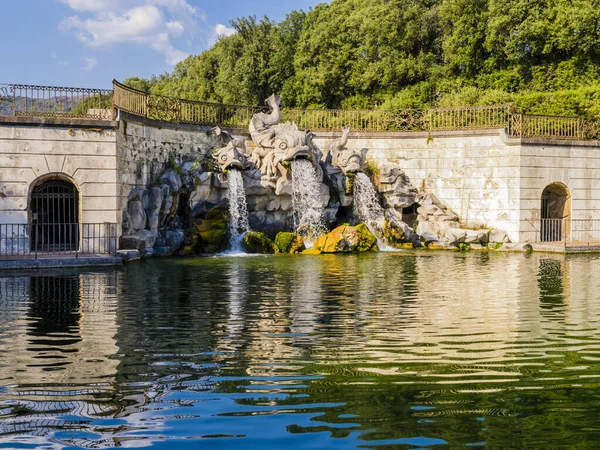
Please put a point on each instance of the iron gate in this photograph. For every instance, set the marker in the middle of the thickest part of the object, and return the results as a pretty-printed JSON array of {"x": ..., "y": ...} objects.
[{"x": 55, "y": 217}]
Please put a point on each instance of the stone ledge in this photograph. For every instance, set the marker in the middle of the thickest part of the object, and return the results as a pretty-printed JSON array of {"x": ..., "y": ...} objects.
[
  {"x": 409, "y": 134},
  {"x": 57, "y": 121},
  {"x": 159, "y": 124},
  {"x": 59, "y": 262},
  {"x": 547, "y": 142}
]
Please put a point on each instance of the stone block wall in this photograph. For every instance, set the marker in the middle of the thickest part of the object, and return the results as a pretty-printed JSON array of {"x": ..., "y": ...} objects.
[
  {"x": 574, "y": 164},
  {"x": 86, "y": 154},
  {"x": 475, "y": 174},
  {"x": 146, "y": 148},
  {"x": 485, "y": 178}
]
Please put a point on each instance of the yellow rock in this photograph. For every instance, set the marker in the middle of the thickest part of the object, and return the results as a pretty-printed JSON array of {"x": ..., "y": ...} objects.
[{"x": 311, "y": 251}]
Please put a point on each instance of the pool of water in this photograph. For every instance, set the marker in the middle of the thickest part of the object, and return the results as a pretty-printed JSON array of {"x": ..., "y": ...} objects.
[{"x": 387, "y": 350}]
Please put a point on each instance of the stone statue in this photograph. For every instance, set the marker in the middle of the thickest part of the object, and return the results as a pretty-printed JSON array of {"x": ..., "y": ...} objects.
[
  {"x": 260, "y": 125},
  {"x": 349, "y": 161},
  {"x": 229, "y": 152},
  {"x": 277, "y": 143},
  {"x": 231, "y": 156}
]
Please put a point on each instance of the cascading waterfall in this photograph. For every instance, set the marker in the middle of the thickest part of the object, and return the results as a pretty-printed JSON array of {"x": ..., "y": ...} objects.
[
  {"x": 238, "y": 209},
  {"x": 306, "y": 200},
  {"x": 366, "y": 206}
]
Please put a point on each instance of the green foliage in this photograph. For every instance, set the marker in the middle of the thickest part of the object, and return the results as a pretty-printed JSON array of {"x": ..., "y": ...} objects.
[
  {"x": 141, "y": 84},
  {"x": 543, "y": 56},
  {"x": 97, "y": 101},
  {"x": 464, "y": 247}
]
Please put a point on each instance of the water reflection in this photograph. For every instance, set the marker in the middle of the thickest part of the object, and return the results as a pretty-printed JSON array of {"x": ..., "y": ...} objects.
[
  {"x": 333, "y": 351},
  {"x": 551, "y": 279}
]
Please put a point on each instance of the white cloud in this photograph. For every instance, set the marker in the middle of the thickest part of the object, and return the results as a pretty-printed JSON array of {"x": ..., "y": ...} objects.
[
  {"x": 219, "y": 31},
  {"x": 222, "y": 30},
  {"x": 175, "y": 28},
  {"x": 153, "y": 23},
  {"x": 90, "y": 63}
]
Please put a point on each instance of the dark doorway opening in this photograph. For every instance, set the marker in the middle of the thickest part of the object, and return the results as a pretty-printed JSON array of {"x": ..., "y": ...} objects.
[
  {"x": 54, "y": 209},
  {"x": 555, "y": 208}
]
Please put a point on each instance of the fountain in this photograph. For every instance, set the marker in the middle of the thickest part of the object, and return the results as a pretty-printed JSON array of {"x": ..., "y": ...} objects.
[
  {"x": 238, "y": 209},
  {"x": 231, "y": 160},
  {"x": 274, "y": 181},
  {"x": 366, "y": 205},
  {"x": 306, "y": 200}
]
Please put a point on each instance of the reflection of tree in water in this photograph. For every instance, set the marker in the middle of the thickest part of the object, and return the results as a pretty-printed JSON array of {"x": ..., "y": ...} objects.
[
  {"x": 550, "y": 282},
  {"x": 55, "y": 304}
]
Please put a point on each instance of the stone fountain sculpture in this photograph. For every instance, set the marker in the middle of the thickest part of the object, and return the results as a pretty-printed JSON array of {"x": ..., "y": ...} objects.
[
  {"x": 349, "y": 161},
  {"x": 277, "y": 143},
  {"x": 229, "y": 152}
]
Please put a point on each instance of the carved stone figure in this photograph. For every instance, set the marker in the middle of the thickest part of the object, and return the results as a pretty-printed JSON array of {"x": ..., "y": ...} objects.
[
  {"x": 260, "y": 125},
  {"x": 349, "y": 161},
  {"x": 231, "y": 156},
  {"x": 277, "y": 143}
]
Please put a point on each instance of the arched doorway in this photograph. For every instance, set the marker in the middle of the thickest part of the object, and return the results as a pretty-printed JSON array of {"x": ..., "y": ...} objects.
[
  {"x": 555, "y": 209},
  {"x": 54, "y": 208}
]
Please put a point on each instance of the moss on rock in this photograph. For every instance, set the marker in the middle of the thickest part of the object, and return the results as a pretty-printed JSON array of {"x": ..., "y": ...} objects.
[
  {"x": 289, "y": 242},
  {"x": 255, "y": 242},
  {"x": 311, "y": 251},
  {"x": 367, "y": 240},
  {"x": 215, "y": 224},
  {"x": 213, "y": 241}
]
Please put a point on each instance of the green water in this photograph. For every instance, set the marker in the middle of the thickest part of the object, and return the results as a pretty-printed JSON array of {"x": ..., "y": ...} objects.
[{"x": 387, "y": 350}]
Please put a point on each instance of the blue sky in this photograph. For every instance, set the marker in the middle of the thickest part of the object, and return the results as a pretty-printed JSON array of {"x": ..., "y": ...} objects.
[{"x": 87, "y": 43}]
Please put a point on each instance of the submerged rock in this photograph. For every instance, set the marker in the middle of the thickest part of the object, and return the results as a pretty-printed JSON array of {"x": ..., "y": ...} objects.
[
  {"x": 346, "y": 239},
  {"x": 256, "y": 242},
  {"x": 289, "y": 243}
]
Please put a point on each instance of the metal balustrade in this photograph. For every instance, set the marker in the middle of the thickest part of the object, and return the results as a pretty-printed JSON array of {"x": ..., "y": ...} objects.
[
  {"x": 569, "y": 231},
  {"x": 54, "y": 239},
  {"x": 49, "y": 101},
  {"x": 53, "y": 101}
]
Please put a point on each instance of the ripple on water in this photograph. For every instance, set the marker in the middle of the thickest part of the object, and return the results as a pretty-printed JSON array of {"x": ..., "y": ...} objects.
[{"x": 387, "y": 349}]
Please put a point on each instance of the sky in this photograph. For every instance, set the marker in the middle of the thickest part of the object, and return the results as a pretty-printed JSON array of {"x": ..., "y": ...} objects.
[{"x": 87, "y": 43}]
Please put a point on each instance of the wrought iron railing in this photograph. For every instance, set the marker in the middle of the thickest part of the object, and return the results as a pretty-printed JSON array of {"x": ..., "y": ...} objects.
[
  {"x": 47, "y": 101},
  {"x": 569, "y": 230},
  {"x": 539, "y": 126},
  {"x": 170, "y": 109},
  {"x": 49, "y": 239},
  {"x": 376, "y": 120},
  {"x": 51, "y": 101}
]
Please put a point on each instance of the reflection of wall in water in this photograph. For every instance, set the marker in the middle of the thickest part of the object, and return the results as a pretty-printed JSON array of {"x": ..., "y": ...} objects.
[
  {"x": 64, "y": 328},
  {"x": 477, "y": 294},
  {"x": 59, "y": 332}
]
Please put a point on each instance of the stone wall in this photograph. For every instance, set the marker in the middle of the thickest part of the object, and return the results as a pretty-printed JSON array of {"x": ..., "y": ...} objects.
[
  {"x": 474, "y": 174},
  {"x": 574, "y": 164},
  {"x": 147, "y": 148},
  {"x": 489, "y": 179},
  {"x": 483, "y": 177},
  {"x": 86, "y": 154}
]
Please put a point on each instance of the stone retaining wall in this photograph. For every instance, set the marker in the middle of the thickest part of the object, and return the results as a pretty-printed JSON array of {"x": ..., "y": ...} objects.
[{"x": 86, "y": 154}]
